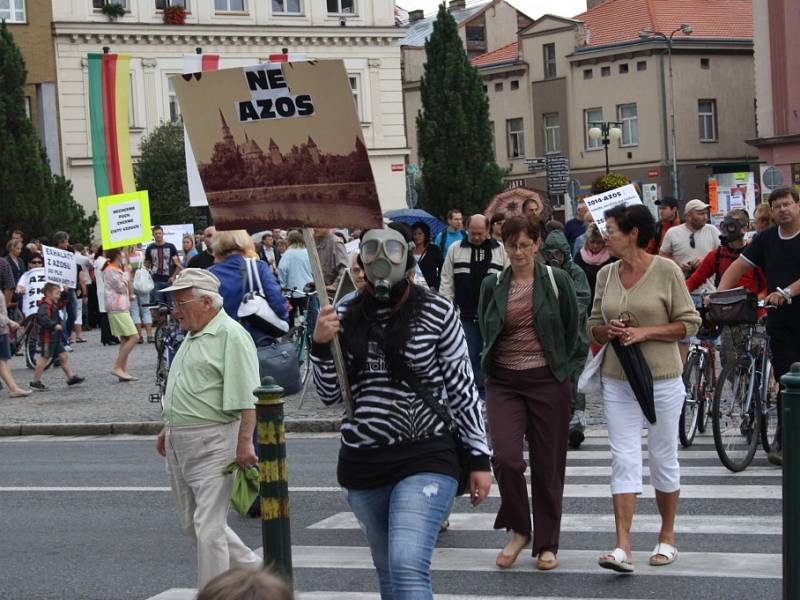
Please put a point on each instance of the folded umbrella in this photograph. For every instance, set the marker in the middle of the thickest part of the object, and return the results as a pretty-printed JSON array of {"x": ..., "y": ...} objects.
[{"x": 639, "y": 376}]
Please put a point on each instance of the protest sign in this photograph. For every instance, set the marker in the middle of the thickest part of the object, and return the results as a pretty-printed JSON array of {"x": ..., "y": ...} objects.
[
  {"x": 59, "y": 266},
  {"x": 32, "y": 284},
  {"x": 600, "y": 203},
  {"x": 124, "y": 219},
  {"x": 280, "y": 145},
  {"x": 173, "y": 234}
]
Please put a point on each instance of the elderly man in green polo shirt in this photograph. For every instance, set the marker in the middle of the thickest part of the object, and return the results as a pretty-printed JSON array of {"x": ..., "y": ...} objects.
[{"x": 209, "y": 416}]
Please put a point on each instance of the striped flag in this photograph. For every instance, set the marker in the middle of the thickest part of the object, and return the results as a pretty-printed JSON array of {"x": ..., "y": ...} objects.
[
  {"x": 196, "y": 63},
  {"x": 109, "y": 77}
]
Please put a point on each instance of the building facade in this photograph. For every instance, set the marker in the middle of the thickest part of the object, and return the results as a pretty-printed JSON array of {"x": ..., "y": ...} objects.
[
  {"x": 29, "y": 24},
  {"x": 242, "y": 32}
]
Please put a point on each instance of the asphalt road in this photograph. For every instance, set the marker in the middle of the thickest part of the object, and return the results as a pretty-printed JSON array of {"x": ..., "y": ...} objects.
[{"x": 62, "y": 538}]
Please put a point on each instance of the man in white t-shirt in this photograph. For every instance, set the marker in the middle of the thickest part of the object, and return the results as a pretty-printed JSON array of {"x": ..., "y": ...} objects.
[{"x": 687, "y": 244}]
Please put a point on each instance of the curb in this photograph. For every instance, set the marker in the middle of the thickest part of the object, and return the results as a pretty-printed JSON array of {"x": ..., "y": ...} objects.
[{"x": 300, "y": 425}]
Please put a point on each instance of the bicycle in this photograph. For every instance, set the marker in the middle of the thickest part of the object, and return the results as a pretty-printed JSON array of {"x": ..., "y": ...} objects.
[
  {"x": 168, "y": 338},
  {"x": 700, "y": 379},
  {"x": 745, "y": 410},
  {"x": 28, "y": 340},
  {"x": 303, "y": 326}
]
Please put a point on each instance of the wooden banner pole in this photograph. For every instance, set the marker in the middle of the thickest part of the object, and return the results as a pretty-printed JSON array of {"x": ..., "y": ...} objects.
[{"x": 322, "y": 295}]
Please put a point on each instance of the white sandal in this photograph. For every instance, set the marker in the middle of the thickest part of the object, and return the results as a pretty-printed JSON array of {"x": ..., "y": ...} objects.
[
  {"x": 663, "y": 549},
  {"x": 618, "y": 562}
]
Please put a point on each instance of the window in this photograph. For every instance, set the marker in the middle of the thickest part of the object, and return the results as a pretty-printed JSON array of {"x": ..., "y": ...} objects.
[
  {"x": 341, "y": 7},
  {"x": 131, "y": 96},
  {"x": 641, "y": 65},
  {"x": 549, "y": 53},
  {"x": 552, "y": 133},
  {"x": 162, "y": 4},
  {"x": 605, "y": 71},
  {"x": 12, "y": 11},
  {"x": 623, "y": 68},
  {"x": 516, "y": 138},
  {"x": 705, "y": 63},
  {"x": 476, "y": 34},
  {"x": 355, "y": 86},
  {"x": 592, "y": 115},
  {"x": 628, "y": 116},
  {"x": 498, "y": 87},
  {"x": 229, "y": 5},
  {"x": 286, "y": 7},
  {"x": 485, "y": 89},
  {"x": 172, "y": 100},
  {"x": 96, "y": 4},
  {"x": 588, "y": 73},
  {"x": 26, "y": 102},
  {"x": 515, "y": 84},
  {"x": 707, "y": 115}
]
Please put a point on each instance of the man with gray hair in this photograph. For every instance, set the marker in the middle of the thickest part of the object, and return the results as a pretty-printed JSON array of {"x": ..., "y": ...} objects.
[{"x": 209, "y": 417}]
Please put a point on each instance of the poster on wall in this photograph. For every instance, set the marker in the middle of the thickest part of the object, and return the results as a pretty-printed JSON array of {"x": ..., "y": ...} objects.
[
  {"x": 599, "y": 204},
  {"x": 649, "y": 197},
  {"x": 280, "y": 145},
  {"x": 124, "y": 219},
  {"x": 734, "y": 190}
]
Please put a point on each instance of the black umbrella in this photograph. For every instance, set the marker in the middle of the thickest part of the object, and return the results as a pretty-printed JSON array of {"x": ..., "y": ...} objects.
[{"x": 639, "y": 376}]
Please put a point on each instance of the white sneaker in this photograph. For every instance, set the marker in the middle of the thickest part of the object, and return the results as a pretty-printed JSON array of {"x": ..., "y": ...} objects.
[{"x": 67, "y": 348}]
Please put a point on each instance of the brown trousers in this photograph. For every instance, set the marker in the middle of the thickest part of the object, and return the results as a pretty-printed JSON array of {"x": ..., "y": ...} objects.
[{"x": 529, "y": 403}]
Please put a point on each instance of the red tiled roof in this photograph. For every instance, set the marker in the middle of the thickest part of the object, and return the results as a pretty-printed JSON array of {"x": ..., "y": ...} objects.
[
  {"x": 616, "y": 21},
  {"x": 503, "y": 54}
]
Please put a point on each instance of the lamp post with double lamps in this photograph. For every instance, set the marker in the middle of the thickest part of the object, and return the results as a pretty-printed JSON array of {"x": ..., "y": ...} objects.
[
  {"x": 605, "y": 131},
  {"x": 648, "y": 34}
]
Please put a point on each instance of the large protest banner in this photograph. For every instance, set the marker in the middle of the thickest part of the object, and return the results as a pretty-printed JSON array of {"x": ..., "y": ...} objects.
[
  {"x": 600, "y": 203},
  {"x": 124, "y": 219},
  {"x": 280, "y": 145},
  {"x": 60, "y": 267},
  {"x": 193, "y": 65}
]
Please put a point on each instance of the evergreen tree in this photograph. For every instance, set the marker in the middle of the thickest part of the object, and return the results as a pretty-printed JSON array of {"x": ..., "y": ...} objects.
[
  {"x": 162, "y": 172},
  {"x": 455, "y": 137},
  {"x": 31, "y": 199}
]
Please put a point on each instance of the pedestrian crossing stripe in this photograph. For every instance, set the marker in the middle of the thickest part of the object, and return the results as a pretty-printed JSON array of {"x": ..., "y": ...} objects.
[{"x": 190, "y": 594}]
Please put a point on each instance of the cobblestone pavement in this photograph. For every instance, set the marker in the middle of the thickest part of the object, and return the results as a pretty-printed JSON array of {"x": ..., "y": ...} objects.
[{"x": 103, "y": 399}]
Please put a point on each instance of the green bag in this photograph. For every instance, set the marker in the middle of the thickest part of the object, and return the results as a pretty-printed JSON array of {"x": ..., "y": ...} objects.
[{"x": 245, "y": 487}]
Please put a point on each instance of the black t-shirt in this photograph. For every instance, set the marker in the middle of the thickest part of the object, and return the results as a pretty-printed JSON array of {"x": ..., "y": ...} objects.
[
  {"x": 779, "y": 258},
  {"x": 202, "y": 261},
  {"x": 160, "y": 257}
]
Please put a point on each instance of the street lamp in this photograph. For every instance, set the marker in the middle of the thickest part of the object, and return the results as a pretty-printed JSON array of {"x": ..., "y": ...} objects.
[
  {"x": 647, "y": 34},
  {"x": 605, "y": 131}
]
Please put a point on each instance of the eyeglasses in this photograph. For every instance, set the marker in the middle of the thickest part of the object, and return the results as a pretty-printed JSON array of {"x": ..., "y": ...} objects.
[
  {"x": 691, "y": 239},
  {"x": 520, "y": 247},
  {"x": 179, "y": 304},
  {"x": 781, "y": 206}
]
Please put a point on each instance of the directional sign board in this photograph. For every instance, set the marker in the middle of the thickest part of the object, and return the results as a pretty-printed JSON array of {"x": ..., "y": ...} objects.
[
  {"x": 536, "y": 164},
  {"x": 557, "y": 173}
]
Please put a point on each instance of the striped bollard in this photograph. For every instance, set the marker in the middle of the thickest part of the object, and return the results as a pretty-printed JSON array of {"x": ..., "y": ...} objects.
[
  {"x": 791, "y": 482},
  {"x": 274, "y": 478}
]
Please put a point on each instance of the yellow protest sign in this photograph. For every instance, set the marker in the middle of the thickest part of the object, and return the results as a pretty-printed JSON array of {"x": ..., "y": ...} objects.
[{"x": 124, "y": 219}]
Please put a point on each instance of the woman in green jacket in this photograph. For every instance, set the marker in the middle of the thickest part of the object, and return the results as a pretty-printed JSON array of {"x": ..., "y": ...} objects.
[{"x": 528, "y": 316}]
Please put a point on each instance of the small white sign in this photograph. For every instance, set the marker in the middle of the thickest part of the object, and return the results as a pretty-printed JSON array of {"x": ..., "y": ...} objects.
[
  {"x": 599, "y": 204},
  {"x": 31, "y": 286},
  {"x": 59, "y": 266}
]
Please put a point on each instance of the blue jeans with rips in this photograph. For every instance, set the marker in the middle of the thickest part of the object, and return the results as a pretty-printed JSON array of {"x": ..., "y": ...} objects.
[{"x": 401, "y": 522}]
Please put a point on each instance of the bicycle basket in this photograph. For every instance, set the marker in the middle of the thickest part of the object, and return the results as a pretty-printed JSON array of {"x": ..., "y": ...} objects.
[{"x": 733, "y": 307}]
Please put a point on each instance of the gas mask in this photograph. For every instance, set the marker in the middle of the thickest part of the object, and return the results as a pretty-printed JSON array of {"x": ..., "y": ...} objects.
[
  {"x": 731, "y": 230},
  {"x": 384, "y": 253}
]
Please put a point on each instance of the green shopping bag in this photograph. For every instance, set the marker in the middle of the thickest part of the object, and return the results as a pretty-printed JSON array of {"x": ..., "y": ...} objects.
[{"x": 245, "y": 487}]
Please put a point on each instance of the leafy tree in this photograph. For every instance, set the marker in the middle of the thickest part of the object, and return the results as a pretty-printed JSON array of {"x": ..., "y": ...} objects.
[
  {"x": 455, "y": 137},
  {"x": 31, "y": 198},
  {"x": 162, "y": 172}
]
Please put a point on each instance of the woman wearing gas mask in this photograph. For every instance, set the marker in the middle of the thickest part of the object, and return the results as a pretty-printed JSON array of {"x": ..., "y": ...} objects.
[{"x": 414, "y": 401}]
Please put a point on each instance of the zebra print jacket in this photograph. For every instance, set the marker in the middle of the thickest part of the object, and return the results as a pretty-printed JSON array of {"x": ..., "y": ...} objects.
[{"x": 387, "y": 412}]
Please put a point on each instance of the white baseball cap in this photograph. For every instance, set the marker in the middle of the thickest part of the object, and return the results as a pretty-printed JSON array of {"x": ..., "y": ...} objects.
[{"x": 695, "y": 205}]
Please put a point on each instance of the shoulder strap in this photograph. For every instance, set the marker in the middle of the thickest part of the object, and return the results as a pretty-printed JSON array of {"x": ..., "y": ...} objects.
[
  {"x": 440, "y": 409},
  {"x": 717, "y": 274},
  {"x": 605, "y": 290},
  {"x": 552, "y": 280}
]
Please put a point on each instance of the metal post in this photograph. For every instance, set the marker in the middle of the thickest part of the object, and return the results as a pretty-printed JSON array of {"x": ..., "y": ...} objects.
[
  {"x": 274, "y": 477},
  {"x": 790, "y": 444},
  {"x": 672, "y": 101},
  {"x": 605, "y": 145}
]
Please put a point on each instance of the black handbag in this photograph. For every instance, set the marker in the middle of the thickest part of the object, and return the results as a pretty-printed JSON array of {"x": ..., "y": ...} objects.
[
  {"x": 733, "y": 307},
  {"x": 280, "y": 361}
]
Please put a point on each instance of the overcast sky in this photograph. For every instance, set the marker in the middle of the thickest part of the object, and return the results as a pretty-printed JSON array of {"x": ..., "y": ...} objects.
[{"x": 532, "y": 8}]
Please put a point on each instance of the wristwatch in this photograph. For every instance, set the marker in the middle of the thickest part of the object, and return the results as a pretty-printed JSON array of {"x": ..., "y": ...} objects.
[{"x": 785, "y": 293}]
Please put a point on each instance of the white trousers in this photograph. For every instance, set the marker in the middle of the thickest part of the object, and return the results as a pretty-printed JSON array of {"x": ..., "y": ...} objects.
[
  {"x": 196, "y": 457},
  {"x": 625, "y": 421}
]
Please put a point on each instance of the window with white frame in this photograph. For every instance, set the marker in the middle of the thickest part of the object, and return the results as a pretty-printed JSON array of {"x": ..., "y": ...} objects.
[
  {"x": 629, "y": 117},
  {"x": 229, "y": 5},
  {"x": 172, "y": 102},
  {"x": 162, "y": 4},
  {"x": 516, "y": 138},
  {"x": 355, "y": 86},
  {"x": 12, "y": 11},
  {"x": 286, "y": 7},
  {"x": 591, "y": 115},
  {"x": 549, "y": 56},
  {"x": 707, "y": 116},
  {"x": 131, "y": 109},
  {"x": 98, "y": 4},
  {"x": 552, "y": 132},
  {"x": 341, "y": 7}
]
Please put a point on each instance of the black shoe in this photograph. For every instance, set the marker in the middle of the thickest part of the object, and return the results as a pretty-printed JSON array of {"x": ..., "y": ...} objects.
[
  {"x": 576, "y": 438},
  {"x": 75, "y": 380},
  {"x": 39, "y": 386},
  {"x": 776, "y": 458}
]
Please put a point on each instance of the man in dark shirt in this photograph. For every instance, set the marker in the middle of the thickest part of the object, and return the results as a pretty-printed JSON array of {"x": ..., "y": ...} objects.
[
  {"x": 204, "y": 259},
  {"x": 777, "y": 251},
  {"x": 576, "y": 227},
  {"x": 158, "y": 257}
]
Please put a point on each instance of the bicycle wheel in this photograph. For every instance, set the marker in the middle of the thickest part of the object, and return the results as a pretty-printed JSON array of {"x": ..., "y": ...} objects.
[
  {"x": 692, "y": 381},
  {"x": 769, "y": 413},
  {"x": 303, "y": 347},
  {"x": 733, "y": 418},
  {"x": 162, "y": 372},
  {"x": 31, "y": 346},
  {"x": 158, "y": 339}
]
